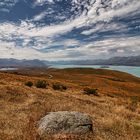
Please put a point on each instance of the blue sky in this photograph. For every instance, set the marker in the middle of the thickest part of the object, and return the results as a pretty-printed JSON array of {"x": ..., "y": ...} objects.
[{"x": 69, "y": 29}]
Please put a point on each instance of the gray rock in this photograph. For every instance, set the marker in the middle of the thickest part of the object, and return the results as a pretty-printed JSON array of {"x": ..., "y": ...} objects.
[{"x": 65, "y": 122}]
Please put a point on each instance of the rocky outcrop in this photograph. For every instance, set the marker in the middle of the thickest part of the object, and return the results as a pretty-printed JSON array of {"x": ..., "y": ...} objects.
[{"x": 65, "y": 122}]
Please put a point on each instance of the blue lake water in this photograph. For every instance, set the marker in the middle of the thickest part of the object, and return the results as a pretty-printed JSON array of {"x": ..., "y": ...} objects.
[
  {"x": 129, "y": 69},
  {"x": 8, "y": 69}
]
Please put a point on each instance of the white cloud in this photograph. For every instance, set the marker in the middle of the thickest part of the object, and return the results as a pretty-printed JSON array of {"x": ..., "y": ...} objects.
[
  {"x": 6, "y": 5},
  {"x": 41, "y": 2},
  {"x": 103, "y": 27},
  {"x": 92, "y": 50},
  {"x": 82, "y": 20},
  {"x": 40, "y": 16},
  {"x": 44, "y": 36}
]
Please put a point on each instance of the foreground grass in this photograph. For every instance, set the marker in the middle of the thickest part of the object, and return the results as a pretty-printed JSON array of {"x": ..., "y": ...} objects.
[{"x": 115, "y": 112}]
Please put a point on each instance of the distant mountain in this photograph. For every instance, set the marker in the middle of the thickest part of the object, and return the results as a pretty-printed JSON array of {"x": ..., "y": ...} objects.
[
  {"x": 126, "y": 61},
  {"x": 21, "y": 63}
]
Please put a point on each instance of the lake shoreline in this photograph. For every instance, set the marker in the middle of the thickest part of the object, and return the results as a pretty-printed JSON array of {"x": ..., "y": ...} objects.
[
  {"x": 133, "y": 70},
  {"x": 128, "y": 69}
]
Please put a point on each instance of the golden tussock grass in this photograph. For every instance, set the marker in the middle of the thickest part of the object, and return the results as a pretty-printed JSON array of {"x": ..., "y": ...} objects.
[{"x": 115, "y": 113}]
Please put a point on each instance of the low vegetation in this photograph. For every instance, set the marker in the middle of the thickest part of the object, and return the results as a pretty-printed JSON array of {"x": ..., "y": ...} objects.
[
  {"x": 115, "y": 113},
  {"x": 29, "y": 84},
  {"x": 58, "y": 86},
  {"x": 91, "y": 91},
  {"x": 41, "y": 84}
]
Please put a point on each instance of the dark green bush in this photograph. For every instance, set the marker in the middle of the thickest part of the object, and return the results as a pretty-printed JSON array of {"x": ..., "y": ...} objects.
[
  {"x": 29, "y": 84},
  {"x": 64, "y": 87},
  {"x": 90, "y": 91},
  {"x": 58, "y": 86},
  {"x": 41, "y": 84}
]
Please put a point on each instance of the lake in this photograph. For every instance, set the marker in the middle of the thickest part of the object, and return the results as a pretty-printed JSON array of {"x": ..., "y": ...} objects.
[
  {"x": 129, "y": 69},
  {"x": 8, "y": 69}
]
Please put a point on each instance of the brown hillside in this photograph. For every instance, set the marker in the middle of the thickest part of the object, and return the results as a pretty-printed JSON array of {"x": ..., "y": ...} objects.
[{"x": 115, "y": 112}]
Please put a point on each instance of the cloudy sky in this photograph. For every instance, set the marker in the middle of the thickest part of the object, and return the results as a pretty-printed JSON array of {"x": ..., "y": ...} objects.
[{"x": 69, "y": 29}]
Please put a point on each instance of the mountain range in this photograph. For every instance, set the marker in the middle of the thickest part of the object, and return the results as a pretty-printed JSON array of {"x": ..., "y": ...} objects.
[
  {"x": 14, "y": 63},
  {"x": 125, "y": 61}
]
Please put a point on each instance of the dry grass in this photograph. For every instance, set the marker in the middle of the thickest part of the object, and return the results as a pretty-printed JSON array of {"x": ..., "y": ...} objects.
[{"x": 115, "y": 113}]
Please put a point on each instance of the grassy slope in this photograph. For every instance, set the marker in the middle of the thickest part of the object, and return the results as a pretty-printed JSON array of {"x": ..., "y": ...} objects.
[{"x": 115, "y": 113}]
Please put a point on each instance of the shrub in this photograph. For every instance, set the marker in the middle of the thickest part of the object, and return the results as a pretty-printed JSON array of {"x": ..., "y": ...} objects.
[
  {"x": 41, "y": 84},
  {"x": 90, "y": 91},
  {"x": 64, "y": 87},
  {"x": 29, "y": 84},
  {"x": 58, "y": 86}
]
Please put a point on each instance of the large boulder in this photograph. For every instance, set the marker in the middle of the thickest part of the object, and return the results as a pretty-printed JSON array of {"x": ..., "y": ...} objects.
[{"x": 65, "y": 122}]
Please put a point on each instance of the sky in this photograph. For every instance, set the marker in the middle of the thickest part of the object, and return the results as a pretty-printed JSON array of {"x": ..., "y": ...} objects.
[{"x": 69, "y": 29}]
